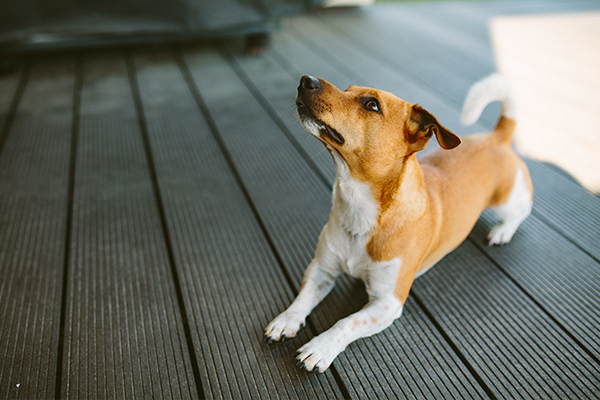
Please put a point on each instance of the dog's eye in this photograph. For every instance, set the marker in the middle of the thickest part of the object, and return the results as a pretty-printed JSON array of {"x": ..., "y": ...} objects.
[{"x": 372, "y": 105}]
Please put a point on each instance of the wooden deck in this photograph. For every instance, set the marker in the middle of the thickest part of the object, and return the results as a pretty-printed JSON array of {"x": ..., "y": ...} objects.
[{"x": 158, "y": 206}]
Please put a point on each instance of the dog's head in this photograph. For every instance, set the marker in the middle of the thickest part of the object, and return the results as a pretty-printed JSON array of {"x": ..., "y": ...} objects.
[{"x": 369, "y": 129}]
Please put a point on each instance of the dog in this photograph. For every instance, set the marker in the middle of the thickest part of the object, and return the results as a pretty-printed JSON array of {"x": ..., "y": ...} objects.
[{"x": 393, "y": 217}]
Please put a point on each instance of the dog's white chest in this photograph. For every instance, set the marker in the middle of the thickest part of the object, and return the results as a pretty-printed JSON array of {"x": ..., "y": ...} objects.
[
  {"x": 353, "y": 217},
  {"x": 354, "y": 258}
]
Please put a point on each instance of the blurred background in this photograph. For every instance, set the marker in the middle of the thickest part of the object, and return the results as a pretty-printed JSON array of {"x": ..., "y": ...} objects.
[{"x": 552, "y": 60}]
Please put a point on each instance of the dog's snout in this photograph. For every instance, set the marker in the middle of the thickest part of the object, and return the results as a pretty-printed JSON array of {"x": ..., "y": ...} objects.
[{"x": 309, "y": 83}]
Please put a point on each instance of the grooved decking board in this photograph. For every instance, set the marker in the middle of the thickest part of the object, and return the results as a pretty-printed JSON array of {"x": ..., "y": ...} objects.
[
  {"x": 566, "y": 206},
  {"x": 553, "y": 271},
  {"x": 232, "y": 282},
  {"x": 411, "y": 47},
  {"x": 517, "y": 350},
  {"x": 275, "y": 87},
  {"x": 284, "y": 191},
  {"x": 255, "y": 142},
  {"x": 124, "y": 334},
  {"x": 34, "y": 170}
]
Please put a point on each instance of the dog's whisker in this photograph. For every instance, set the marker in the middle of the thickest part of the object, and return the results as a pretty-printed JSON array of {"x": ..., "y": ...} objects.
[
  {"x": 317, "y": 154},
  {"x": 355, "y": 162}
]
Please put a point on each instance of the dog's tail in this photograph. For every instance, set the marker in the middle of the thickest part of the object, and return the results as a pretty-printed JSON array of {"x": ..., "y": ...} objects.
[{"x": 494, "y": 87}]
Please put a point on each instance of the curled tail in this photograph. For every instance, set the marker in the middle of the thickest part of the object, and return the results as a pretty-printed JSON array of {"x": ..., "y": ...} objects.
[{"x": 494, "y": 87}]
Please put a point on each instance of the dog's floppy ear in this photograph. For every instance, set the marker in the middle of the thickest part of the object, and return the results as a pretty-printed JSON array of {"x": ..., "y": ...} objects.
[{"x": 421, "y": 125}]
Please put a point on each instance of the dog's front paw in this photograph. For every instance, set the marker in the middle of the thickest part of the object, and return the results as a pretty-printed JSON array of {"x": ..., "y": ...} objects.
[
  {"x": 285, "y": 326},
  {"x": 501, "y": 234},
  {"x": 318, "y": 354}
]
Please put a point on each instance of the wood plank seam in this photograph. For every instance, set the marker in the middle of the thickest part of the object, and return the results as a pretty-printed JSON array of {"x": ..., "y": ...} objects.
[
  {"x": 565, "y": 236},
  {"x": 455, "y": 348},
  {"x": 131, "y": 72},
  {"x": 77, "y": 89},
  {"x": 536, "y": 302}
]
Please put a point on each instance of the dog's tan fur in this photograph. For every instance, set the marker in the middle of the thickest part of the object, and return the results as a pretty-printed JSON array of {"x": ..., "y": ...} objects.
[{"x": 427, "y": 208}]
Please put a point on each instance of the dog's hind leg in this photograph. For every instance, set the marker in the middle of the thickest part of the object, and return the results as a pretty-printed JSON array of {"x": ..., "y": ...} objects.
[{"x": 513, "y": 212}]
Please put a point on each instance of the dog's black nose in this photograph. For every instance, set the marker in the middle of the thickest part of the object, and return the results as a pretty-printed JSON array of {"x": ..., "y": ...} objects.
[{"x": 309, "y": 83}]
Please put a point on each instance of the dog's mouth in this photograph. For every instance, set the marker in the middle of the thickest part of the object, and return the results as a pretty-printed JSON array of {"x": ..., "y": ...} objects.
[
  {"x": 315, "y": 126},
  {"x": 331, "y": 133}
]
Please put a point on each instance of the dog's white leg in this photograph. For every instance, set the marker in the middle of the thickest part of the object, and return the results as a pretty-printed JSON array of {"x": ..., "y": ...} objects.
[
  {"x": 378, "y": 314},
  {"x": 512, "y": 213},
  {"x": 383, "y": 308},
  {"x": 317, "y": 283}
]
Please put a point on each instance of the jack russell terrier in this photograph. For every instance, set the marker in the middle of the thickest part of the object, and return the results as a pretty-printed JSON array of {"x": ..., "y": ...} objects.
[{"x": 393, "y": 217}]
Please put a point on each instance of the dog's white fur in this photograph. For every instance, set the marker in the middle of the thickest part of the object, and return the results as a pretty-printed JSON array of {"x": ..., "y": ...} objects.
[
  {"x": 512, "y": 213},
  {"x": 494, "y": 87}
]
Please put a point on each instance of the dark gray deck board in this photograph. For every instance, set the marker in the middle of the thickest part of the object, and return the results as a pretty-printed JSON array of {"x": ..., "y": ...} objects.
[
  {"x": 274, "y": 86},
  {"x": 124, "y": 336},
  {"x": 232, "y": 280},
  {"x": 562, "y": 204},
  {"x": 259, "y": 138},
  {"x": 554, "y": 272},
  {"x": 516, "y": 349},
  {"x": 34, "y": 170}
]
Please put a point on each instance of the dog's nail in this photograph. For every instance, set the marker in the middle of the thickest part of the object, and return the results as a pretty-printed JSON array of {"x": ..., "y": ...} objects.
[{"x": 269, "y": 339}]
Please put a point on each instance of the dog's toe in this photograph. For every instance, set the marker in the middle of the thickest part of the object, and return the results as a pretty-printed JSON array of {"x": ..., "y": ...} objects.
[
  {"x": 502, "y": 233},
  {"x": 284, "y": 327},
  {"x": 317, "y": 355}
]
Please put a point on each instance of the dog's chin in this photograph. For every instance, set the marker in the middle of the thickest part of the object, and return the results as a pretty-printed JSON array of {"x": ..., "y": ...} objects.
[{"x": 318, "y": 128}]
